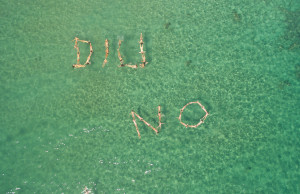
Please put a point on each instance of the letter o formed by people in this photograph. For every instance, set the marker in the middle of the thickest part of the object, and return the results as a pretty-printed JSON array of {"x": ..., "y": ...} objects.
[{"x": 201, "y": 120}]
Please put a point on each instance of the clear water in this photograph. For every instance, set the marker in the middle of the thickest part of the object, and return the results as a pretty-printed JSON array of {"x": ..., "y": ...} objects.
[{"x": 63, "y": 129}]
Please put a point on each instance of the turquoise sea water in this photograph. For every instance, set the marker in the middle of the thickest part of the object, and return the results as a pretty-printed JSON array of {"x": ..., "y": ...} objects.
[{"x": 63, "y": 129}]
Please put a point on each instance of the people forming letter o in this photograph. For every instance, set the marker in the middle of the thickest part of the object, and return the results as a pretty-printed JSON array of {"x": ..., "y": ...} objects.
[{"x": 201, "y": 120}]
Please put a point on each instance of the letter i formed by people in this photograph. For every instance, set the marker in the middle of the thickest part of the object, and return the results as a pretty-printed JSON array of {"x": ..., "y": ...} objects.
[{"x": 106, "y": 52}]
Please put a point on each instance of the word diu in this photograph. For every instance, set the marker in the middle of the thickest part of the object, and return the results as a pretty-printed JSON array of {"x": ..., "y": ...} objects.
[{"x": 88, "y": 61}]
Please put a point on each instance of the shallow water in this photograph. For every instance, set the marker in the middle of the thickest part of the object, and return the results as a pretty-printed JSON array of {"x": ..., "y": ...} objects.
[{"x": 63, "y": 129}]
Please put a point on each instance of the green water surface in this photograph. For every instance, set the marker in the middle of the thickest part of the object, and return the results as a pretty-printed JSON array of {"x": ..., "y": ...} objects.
[{"x": 63, "y": 129}]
